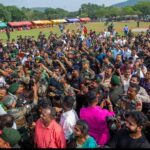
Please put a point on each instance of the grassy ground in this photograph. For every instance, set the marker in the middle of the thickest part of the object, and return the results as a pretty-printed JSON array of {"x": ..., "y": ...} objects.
[{"x": 97, "y": 26}]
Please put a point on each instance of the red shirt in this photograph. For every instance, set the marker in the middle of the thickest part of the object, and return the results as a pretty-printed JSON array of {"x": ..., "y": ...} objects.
[{"x": 49, "y": 137}]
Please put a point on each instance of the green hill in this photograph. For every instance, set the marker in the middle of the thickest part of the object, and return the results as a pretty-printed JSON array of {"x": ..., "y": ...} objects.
[{"x": 129, "y": 3}]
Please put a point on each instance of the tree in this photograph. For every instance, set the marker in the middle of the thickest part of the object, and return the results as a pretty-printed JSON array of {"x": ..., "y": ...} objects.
[
  {"x": 143, "y": 7},
  {"x": 114, "y": 11},
  {"x": 4, "y": 14},
  {"x": 128, "y": 11},
  {"x": 16, "y": 13}
]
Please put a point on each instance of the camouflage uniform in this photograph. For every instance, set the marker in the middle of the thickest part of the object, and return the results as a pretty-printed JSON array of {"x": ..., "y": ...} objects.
[
  {"x": 87, "y": 73},
  {"x": 125, "y": 104},
  {"x": 19, "y": 114}
]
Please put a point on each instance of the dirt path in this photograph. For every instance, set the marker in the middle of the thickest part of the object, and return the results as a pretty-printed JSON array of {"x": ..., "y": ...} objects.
[{"x": 139, "y": 29}]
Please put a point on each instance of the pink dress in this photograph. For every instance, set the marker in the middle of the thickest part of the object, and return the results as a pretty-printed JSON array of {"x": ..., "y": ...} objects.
[{"x": 96, "y": 119}]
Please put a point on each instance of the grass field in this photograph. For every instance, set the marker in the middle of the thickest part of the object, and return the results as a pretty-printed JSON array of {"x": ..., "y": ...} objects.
[{"x": 97, "y": 26}]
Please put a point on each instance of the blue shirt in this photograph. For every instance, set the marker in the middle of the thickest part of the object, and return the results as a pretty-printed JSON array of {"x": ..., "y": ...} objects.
[
  {"x": 100, "y": 57},
  {"x": 89, "y": 143},
  {"x": 115, "y": 52}
]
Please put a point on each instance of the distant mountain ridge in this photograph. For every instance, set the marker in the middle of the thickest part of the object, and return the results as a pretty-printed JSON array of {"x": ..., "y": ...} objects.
[
  {"x": 122, "y": 4},
  {"x": 129, "y": 3}
]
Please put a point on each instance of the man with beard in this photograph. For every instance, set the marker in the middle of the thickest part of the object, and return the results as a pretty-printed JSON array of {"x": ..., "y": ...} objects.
[{"x": 132, "y": 136}]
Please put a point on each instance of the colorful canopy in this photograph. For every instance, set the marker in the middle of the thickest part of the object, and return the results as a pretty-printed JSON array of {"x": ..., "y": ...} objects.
[
  {"x": 20, "y": 24},
  {"x": 59, "y": 21},
  {"x": 26, "y": 23},
  {"x": 2, "y": 25},
  {"x": 41, "y": 22},
  {"x": 85, "y": 19},
  {"x": 73, "y": 20},
  {"x": 15, "y": 24}
]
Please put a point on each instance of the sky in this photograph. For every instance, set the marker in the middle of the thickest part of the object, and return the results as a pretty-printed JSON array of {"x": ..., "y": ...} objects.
[{"x": 70, "y": 5}]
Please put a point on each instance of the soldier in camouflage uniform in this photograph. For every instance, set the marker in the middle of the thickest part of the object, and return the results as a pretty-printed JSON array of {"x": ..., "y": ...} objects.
[
  {"x": 130, "y": 101},
  {"x": 19, "y": 113},
  {"x": 86, "y": 72}
]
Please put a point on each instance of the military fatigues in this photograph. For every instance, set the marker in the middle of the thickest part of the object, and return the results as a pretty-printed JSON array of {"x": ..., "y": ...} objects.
[
  {"x": 125, "y": 104},
  {"x": 87, "y": 74},
  {"x": 19, "y": 114},
  {"x": 22, "y": 126}
]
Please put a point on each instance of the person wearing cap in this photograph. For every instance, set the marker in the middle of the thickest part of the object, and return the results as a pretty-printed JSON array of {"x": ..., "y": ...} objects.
[
  {"x": 116, "y": 89},
  {"x": 10, "y": 102},
  {"x": 96, "y": 117},
  {"x": 86, "y": 72},
  {"x": 9, "y": 138},
  {"x": 131, "y": 136}
]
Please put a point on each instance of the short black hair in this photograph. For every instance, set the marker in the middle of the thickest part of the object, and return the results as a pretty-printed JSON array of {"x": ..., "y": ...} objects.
[
  {"x": 139, "y": 117},
  {"x": 136, "y": 87},
  {"x": 52, "y": 110},
  {"x": 91, "y": 96},
  {"x": 135, "y": 76},
  {"x": 7, "y": 120},
  {"x": 105, "y": 57},
  {"x": 69, "y": 101},
  {"x": 84, "y": 126}
]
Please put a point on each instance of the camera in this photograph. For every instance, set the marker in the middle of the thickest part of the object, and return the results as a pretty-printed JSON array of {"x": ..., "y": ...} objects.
[
  {"x": 114, "y": 122},
  {"x": 123, "y": 98}
]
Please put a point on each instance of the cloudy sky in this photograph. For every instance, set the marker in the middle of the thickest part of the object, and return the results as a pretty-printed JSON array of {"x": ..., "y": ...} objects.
[{"x": 70, "y": 5}]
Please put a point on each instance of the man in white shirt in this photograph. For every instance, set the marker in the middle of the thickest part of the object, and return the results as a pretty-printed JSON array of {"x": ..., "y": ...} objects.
[
  {"x": 69, "y": 116},
  {"x": 134, "y": 55},
  {"x": 125, "y": 79}
]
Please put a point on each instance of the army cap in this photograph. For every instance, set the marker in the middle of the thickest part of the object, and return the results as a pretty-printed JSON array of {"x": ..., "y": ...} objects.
[
  {"x": 85, "y": 61},
  {"x": 115, "y": 80},
  {"x": 92, "y": 54},
  {"x": 11, "y": 136},
  {"x": 13, "y": 88},
  {"x": 8, "y": 100}
]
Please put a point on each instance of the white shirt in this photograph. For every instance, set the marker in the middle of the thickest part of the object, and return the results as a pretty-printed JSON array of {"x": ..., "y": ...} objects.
[
  {"x": 2, "y": 80},
  {"x": 125, "y": 82},
  {"x": 137, "y": 71},
  {"x": 127, "y": 53},
  {"x": 135, "y": 57},
  {"x": 68, "y": 121}
]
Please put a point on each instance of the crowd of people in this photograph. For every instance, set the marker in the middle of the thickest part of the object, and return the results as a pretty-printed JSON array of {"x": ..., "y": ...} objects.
[{"x": 76, "y": 90}]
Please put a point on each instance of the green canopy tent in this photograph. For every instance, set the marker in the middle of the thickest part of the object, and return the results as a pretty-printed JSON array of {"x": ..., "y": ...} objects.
[{"x": 2, "y": 25}]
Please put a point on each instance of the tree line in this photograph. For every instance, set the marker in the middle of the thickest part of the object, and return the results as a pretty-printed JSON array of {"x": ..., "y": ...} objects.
[{"x": 13, "y": 13}]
